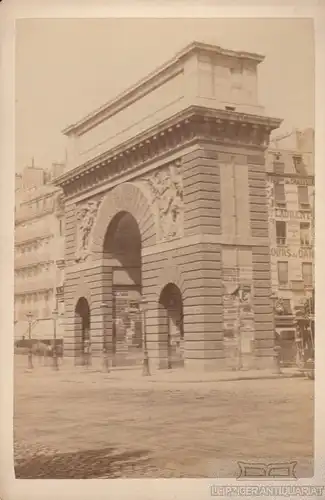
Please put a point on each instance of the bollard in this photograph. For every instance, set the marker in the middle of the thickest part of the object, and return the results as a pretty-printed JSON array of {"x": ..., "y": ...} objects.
[
  {"x": 106, "y": 367},
  {"x": 145, "y": 366},
  {"x": 277, "y": 366},
  {"x": 30, "y": 359}
]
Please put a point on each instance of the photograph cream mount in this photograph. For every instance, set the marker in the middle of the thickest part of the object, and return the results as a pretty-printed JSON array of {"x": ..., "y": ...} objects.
[{"x": 164, "y": 248}]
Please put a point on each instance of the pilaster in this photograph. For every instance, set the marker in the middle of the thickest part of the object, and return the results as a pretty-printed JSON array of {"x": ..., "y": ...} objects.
[
  {"x": 201, "y": 179},
  {"x": 262, "y": 286}
]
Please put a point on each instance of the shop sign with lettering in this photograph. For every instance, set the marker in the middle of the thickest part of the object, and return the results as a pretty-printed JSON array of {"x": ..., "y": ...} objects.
[
  {"x": 292, "y": 214},
  {"x": 298, "y": 253},
  {"x": 298, "y": 181}
]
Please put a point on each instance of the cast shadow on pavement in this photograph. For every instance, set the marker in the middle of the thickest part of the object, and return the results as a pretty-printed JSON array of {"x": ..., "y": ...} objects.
[{"x": 88, "y": 464}]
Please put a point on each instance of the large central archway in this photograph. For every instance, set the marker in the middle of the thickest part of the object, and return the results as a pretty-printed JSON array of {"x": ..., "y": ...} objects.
[
  {"x": 82, "y": 328},
  {"x": 122, "y": 246},
  {"x": 171, "y": 327}
]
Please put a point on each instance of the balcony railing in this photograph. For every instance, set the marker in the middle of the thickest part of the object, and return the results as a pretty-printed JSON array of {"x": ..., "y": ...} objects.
[
  {"x": 284, "y": 285},
  {"x": 24, "y": 214},
  {"x": 32, "y": 259},
  {"x": 30, "y": 285}
]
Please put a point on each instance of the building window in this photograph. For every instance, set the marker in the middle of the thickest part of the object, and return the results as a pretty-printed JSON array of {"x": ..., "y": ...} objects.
[
  {"x": 307, "y": 273},
  {"x": 286, "y": 306},
  {"x": 299, "y": 165},
  {"x": 278, "y": 168},
  {"x": 303, "y": 198},
  {"x": 60, "y": 227},
  {"x": 281, "y": 232},
  {"x": 46, "y": 312},
  {"x": 283, "y": 273},
  {"x": 304, "y": 233},
  {"x": 279, "y": 195}
]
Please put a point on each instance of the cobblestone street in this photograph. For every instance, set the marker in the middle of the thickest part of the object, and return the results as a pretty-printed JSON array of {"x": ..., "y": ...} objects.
[{"x": 79, "y": 424}]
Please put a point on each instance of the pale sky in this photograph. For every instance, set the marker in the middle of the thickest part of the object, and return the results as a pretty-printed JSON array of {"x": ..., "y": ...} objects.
[{"x": 65, "y": 68}]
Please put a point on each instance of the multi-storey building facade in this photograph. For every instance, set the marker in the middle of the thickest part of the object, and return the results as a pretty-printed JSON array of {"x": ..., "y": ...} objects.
[
  {"x": 290, "y": 177},
  {"x": 39, "y": 253}
]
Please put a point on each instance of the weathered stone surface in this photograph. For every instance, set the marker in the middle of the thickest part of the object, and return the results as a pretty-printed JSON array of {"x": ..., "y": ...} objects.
[{"x": 183, "y": 203}]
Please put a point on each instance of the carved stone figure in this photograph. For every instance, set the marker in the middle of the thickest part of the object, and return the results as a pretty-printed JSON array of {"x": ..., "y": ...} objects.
[
  {"x": 167, "y": 191},
  {"x": 86, "y": 216}
]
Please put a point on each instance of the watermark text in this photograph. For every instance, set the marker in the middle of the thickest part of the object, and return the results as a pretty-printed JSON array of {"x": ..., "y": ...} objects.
[{"x": 268, "y": 491}]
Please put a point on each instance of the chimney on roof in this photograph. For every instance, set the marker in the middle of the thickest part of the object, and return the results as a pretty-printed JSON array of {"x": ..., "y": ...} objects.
[
  {"x": 32, "y": 176},
  {"x": 57, "y": 169}
]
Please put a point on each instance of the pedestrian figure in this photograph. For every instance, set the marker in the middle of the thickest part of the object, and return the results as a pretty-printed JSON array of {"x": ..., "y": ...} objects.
[
  {"x": 39, "y": 352},
  {"x": 89, "y": 353},
  {"x": 87, "y": 360},
  {"x": 48, "y": 354},
  {"x": 105, "y": 360}
]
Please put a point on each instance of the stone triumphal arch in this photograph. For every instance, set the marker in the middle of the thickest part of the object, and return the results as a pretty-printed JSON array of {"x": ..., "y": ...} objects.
[{"x": 165, "y": 198}]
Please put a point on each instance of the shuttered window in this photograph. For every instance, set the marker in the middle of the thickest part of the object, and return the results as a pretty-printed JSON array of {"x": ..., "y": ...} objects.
[
  {"x": 278, "y": 168},
  {"x": 279, "y": 195},
  {"x": 307, "y": 273},
  {"x": 303, "y": 198},
  {"x": 304, "y": 233},
  {"x": 283, "y": 273},
  {"x": 281, "y": 232}
]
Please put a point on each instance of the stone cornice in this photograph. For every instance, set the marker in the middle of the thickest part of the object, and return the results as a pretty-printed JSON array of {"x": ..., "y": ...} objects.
[
  {"x": 219, "y": 51},
  {"x": 151, "y": 81},
  {"x": 32, "y": 239},
  {"x": 32, "y": 266},
  {"x": 188, "y": 126},
  {"x": 30, "y": 291}
]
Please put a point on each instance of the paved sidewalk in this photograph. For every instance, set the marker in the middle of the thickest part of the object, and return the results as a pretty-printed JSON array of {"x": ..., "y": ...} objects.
[
  {"x": 184, "y": 376},
  {"x": 133, "y": 375}
]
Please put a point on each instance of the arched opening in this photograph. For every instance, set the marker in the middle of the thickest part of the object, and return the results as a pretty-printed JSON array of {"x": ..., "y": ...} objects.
[
  {"x": 122, "y": 245},
  {"x": 171, "y": 327},
  {"x": 82, "y": 329}
]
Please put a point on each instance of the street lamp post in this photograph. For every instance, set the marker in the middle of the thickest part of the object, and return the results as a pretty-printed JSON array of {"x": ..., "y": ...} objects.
[
  {"x": 30, "y": 351},
  {"x": 58, "y": 265},
  {"x": 239, "y": 336},
  {"x": 145, "y": 365},
  {"x": 277, "y": 347},
  {"x": 55, "y": 357},
  {"x": 106, "y": 356}
]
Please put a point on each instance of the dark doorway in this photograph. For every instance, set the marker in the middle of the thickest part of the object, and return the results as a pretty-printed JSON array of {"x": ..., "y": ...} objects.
[{"x": 82, "y": 328}]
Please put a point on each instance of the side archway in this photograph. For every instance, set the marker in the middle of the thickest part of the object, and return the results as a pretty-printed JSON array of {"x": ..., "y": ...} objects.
[
  {"x": 81, "y": 329},
  {"x": 171, "y": 327},
  {"x": 171, "y": 273},
  {"x": 126, "y": 197}
]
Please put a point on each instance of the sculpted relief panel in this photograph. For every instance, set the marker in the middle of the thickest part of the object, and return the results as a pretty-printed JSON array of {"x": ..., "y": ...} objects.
[
  {"x": 86, "y": 215},
  {"x": 166, "y": 189}
]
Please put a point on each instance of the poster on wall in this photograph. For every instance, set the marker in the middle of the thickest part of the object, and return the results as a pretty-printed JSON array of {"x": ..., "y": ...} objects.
[{"x": 237, "y": 305}]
